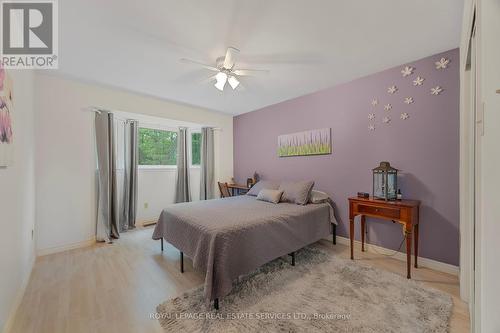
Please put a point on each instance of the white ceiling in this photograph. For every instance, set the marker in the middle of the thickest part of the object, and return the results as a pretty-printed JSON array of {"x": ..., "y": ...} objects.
[{"x": 307, "y": 45}]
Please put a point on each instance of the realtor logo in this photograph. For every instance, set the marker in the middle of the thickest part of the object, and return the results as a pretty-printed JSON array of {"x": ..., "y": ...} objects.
[{"x": 29, "y": 34}]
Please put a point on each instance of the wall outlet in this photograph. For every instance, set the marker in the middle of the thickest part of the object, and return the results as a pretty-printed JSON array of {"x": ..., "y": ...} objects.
[
  {"x": 146, "y": 205},
  {"x": 32, "y": 234}
]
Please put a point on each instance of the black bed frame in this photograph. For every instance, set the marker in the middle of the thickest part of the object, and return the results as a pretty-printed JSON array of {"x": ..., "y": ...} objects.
[{"x": 216, "y": 301}]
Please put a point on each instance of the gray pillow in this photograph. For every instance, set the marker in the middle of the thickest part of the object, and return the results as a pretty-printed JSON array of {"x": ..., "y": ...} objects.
[
  {"x": 272, "y": 196},
  {"x": 263, "y": 184},
  {"x": 296, "y": 192}
]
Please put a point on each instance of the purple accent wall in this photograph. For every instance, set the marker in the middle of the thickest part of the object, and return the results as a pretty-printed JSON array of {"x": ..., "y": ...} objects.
[{"x": 424, "y": 147}]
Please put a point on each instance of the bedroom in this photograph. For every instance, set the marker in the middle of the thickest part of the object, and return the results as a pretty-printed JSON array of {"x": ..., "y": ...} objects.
[{"x": 203, "y": 166}]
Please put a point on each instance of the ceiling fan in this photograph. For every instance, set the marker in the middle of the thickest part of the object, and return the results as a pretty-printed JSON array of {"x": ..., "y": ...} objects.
[{"x": 226, "y": 70}]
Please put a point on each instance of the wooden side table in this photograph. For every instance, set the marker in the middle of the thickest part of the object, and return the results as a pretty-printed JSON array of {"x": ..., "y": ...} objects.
[{"x": 404, "y": 212}]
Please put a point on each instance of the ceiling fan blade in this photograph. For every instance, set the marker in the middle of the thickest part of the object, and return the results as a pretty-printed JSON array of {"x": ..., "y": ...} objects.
[
  {"x": 230, "y": 57},
  {"x": 189, "y": 61},
  {"x": 249, "y": 72},
  {"x": 285, "y": 59}
]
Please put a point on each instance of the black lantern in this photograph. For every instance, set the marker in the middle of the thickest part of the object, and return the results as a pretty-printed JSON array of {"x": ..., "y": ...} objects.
[{"x": 385, "y": 182}]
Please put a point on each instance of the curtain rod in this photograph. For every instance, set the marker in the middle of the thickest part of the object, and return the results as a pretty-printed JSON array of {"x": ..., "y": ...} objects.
[{"x": 99, "y": 110}]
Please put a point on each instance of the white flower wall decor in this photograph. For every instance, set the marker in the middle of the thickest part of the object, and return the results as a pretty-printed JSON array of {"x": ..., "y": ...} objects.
[
  {"x": 401, "y": 93},
  {"x": 418, "y": 81},
  {"x": 408, "y": 100},
  {"x": 407, "y": 71},
  {"x": 436, "y": 90},
  {"x": 442, "y": 63},
  {"x": 392, "y": 89}
]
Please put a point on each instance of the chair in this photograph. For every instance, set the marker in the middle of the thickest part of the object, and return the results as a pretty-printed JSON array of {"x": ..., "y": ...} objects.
[{"x": 224, "y": 190}]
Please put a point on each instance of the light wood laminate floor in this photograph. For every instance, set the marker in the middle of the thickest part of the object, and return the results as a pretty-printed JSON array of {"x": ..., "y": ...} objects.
[{"x": 114, "y": 288}]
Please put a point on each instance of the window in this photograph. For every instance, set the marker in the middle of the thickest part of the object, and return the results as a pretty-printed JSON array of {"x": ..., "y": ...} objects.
[
  {"x": 157, "y": 147},
  {"x": 195, "y": 148}
]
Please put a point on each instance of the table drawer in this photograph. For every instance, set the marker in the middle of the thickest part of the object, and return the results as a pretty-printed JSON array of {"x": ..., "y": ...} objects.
[{"x": 382, "y": 211}]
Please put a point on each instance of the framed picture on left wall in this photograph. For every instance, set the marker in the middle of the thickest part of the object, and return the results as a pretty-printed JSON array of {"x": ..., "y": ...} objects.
[{"x": 6, "y": 109}]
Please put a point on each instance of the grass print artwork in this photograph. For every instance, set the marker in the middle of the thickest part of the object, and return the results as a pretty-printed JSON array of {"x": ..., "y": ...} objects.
[{"x": 314, "y": 142}]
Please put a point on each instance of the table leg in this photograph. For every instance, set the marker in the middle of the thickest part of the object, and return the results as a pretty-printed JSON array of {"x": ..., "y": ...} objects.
[
  {"x": 363, "y": 231},
  {"x": 216, "y": 304},
  {"x": 351, "y": 235},
  {"x": 416, "y": 243},
  {"x": 334, "y": 234},
  {"x": 408, "y": 251}
]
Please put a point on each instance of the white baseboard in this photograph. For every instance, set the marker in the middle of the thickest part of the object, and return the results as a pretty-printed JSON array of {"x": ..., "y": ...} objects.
[
  {"x": 66, "y": 247},
  {"x": 19, "y": 298},
  {"x": 147, "y": 223},
  {"x": 424, "y": 262}
]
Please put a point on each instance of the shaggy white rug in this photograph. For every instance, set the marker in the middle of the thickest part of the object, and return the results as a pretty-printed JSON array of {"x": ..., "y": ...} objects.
[{"x": 322, "y": 293}]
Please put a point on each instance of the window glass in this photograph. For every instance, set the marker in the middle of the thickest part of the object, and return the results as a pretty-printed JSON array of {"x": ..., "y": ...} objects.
[
  {"x": 157, "y": 147},
  {"x": 195, "y": 148}
]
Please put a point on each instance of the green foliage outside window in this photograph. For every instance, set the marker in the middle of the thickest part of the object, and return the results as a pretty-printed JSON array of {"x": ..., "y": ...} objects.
[
  {"x": 195, "y": 148},
  {"x": 157, "y": 147}
]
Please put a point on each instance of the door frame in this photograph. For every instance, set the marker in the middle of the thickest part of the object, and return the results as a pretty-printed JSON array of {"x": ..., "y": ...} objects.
[{"x": 470, "y": 135}]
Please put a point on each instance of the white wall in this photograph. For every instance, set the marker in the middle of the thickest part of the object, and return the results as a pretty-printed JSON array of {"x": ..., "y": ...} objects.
[
  {"x": 17, "y": 202},
  {"x": 65, "y": 155},
  {"x": 157, "y": 187}
]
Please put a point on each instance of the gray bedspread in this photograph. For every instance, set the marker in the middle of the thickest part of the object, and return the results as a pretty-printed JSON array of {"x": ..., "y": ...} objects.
[{"x": 233, "y": 236}]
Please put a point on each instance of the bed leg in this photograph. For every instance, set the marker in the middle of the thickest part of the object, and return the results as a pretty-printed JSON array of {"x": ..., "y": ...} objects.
[
  {"x": 216, "y": 304},
  {"x": 334, "y": 233},
  {"x": 162, "y": 244},
  {"x": 182, "y": 262},
  {"x": 293, "y": 258}
]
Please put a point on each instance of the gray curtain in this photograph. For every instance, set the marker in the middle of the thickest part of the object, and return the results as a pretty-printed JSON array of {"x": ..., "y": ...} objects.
[
  {"x": 131, "y": 154},
  {"x": 107, "y": 197},
  {"x": 207, "y": 164},
  {"x": 182, "y": 184}
]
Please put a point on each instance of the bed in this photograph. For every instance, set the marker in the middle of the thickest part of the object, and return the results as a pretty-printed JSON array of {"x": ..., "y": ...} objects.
[{"x": 230, "y": 237}]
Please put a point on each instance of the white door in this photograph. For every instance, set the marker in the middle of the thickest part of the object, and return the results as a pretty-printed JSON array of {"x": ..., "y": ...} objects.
[
  {"x": 477, "y": 111},
  {"x": 470, "y": 135}
]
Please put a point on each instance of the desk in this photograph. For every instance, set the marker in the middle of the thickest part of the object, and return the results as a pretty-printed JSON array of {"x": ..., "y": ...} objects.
[
  {"x": 237, "y": 189},
  {"x": 404, "y": 212}
]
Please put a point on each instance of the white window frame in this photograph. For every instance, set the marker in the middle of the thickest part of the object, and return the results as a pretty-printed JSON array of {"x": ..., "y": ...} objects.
[{"x": 158, "y": 167}]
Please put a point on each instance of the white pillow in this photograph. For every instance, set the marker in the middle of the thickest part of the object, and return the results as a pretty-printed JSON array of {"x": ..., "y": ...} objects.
[
  {"x": 318, "y": 197},
  {"x": 272, "y": 196}
]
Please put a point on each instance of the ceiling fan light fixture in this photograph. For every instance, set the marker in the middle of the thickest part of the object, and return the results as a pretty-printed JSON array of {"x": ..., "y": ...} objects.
[
  {"x": 220, "y": 85},
  {"x": 221, "y": 78},
  {"x": 226, "y": 70},
  {"x": 233, "y": 82}
]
